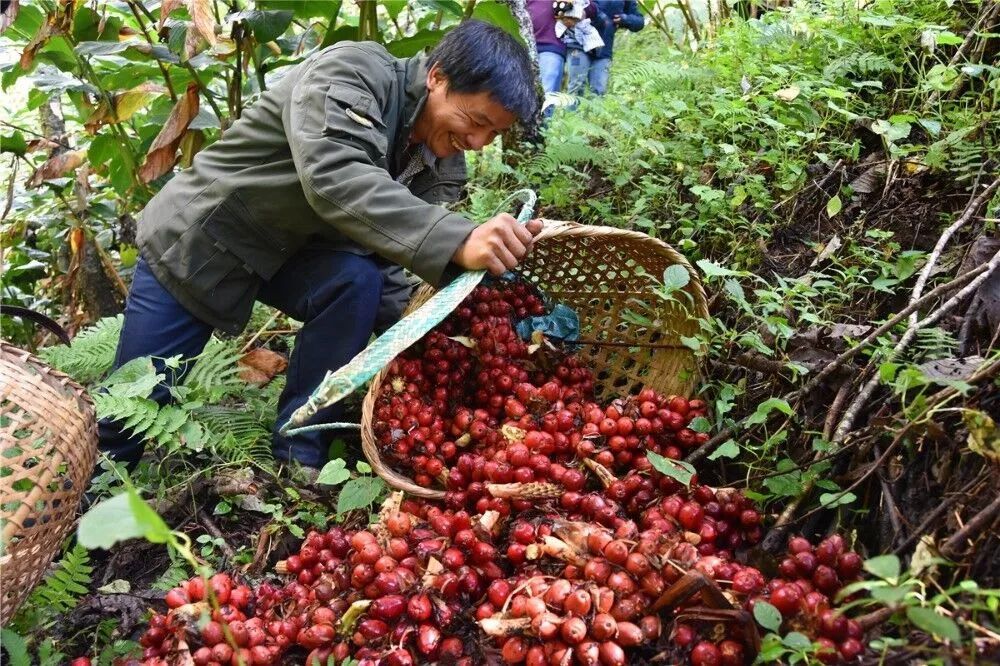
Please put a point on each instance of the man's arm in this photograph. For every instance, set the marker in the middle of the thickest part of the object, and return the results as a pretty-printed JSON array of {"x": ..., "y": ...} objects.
[{"x": 632, "y": 18}]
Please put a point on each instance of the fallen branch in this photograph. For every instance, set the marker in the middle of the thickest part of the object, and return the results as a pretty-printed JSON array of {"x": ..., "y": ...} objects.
[
  {"x": 214, "y": 530},
  {"x": 979, "y": 522}
]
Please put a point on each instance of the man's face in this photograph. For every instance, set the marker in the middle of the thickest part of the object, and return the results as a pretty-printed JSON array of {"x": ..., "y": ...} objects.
[{"x": 451, "y": 122}]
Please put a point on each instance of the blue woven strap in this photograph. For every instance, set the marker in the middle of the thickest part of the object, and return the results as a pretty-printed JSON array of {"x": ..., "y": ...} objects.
[{"x": 342, "y": 382}]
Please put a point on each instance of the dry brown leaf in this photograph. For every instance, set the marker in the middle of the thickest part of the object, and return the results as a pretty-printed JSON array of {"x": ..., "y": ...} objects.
[
  {"x": 57, "y": 166},
  {"x": 37, "y": 42},
  {"x": 166, "y": 7},
  {"x": 260, "y": 366},
  {"x": 204, "y": 20},
  {"x": 161, "y": 156}
]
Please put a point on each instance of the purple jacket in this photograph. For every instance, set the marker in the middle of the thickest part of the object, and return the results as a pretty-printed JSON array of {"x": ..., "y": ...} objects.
[{"x": 544, "y": 23}]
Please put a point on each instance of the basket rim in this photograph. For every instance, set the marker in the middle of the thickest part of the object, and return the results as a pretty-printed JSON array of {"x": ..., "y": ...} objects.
[{"x": 550, "y": 229}]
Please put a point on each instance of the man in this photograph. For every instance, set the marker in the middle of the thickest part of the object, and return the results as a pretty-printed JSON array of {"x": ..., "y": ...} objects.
[
  {"x": 551, "y": 49},
  {"x": 315, "y": 200}
]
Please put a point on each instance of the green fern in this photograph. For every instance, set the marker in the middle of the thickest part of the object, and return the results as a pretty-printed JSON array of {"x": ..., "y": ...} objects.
[
  {"x": 216, "y": 371},
  {"x": 238, "y": 435},
  {"x": 559, "y": 153},
  {"x": 92, "y": 353},
  {"x": 58, "y": 593},
  {"x": 863, "y": 64},
  {"x": 16, "y": 648}
]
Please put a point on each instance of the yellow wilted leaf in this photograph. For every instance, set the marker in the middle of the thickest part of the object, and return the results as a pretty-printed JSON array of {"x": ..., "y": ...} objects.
[
  {"x": 788, "y": 94},
  {"x": 125, "y": 105},
  {"x": 984, "y": 438},
  {"x": 204, "y": 20}
]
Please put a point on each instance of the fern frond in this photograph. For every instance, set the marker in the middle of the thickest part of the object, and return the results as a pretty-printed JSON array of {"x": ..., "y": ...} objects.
[
  {"x": 216, "y": 371},
  {"x": 92, "y": 352},
  {"x": 561, "y": 152},
  {"x": 60, "y": 591},
  {"x": 16, "y": 648},
  {"x": 238, "y": 436}
]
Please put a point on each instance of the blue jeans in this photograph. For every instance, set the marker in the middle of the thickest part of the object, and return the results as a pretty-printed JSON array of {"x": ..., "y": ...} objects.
[
  {"x": 550, "y": 68},
  {"x": 335, "y": 294},
  {"x": 583, "y": 69}
]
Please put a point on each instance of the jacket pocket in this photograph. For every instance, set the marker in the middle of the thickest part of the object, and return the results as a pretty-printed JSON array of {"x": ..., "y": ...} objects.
[
  {"x": 233, "y": 230},
  {"x": 354, "y": 116}
]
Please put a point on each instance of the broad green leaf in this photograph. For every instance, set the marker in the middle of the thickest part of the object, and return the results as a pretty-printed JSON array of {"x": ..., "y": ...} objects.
[
  {"x": 678, "y": 470},
  {"x": 833, "y": 206},
  {"x": 85, "y": 24},
  {"x": 883, "y": 566},
  {"x": 498, "y": 14},
  {"x": 728, "y": 449},
  {"x": 831, "y": 500},
  {"x": 767, "y": 615},
  {"x": 135, "y": 379},
  {"x": 888, "y": 595},
  {"x": 938, "y": 625},
  {"x": 125, "y": 516},
  {"x": 711, "y": 270},
  {"x": 410, "y": 46},
  {"x": 359, "y": 493},
  {"x": 765, "y": 408},
  {"x": 13, "y": 143},
  {"x": 266, "y": 26},
  {"x": 303, "y": 8},
  {"x": 700, "y": 424},
  {"x": 102, "y": 148},
  {"x": 675, "y": 277},
  {"x": 333, "y": 473},
  {"x": 796, "y": 640},
  {"x": 447, "y": 6}
]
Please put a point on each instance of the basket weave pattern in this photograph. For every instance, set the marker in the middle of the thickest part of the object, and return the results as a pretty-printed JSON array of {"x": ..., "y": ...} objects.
[
  {"x": 609, "y": 276},
  {"x": 48, "y": 445}
]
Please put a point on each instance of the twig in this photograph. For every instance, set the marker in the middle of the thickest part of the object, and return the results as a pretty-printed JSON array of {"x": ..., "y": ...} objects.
[
  {"x": 832, "y": 366},
  {"x": 981, "y": 21},
  {"x": 214, "y": 530},
  {"x": 703, "y": 450},
  {"x": 259, "y": 332},
  {"x": 206, "y": 92},
  {"x": 163, "y": 69},
  {"x": 890, "y": 501},
  {"x": 933, "y": 516},
  {"x": 970, "y": 210},
  {"x": 979, "y": 522},
  {"x": 852, "y": 411},
  {"x": 838, "y": 404},
  {"x": 263, "y": 550},
  {"x": 54, "y": 140},
  {"x": 9, "y": 203}
]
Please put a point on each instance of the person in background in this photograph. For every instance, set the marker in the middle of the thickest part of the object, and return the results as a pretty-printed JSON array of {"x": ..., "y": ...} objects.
[
  {"x": 594, "y": 67},
  {"x": 551, "y": 49}
]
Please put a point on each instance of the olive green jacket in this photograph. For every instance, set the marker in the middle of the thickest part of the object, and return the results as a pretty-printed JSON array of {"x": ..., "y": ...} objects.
[{"x": 313, "y": 161}]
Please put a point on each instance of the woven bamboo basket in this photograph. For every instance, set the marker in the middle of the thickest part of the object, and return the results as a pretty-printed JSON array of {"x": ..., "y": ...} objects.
[
  {"x": 48, "y": 446},
  {"x": 609, "y": 277}
]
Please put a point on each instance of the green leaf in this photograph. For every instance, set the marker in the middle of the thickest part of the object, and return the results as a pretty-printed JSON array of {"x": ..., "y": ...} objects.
[
  {"x": 333, "y": 473},
  {"x": 124, "y": 516},
  {"x": 14, "y": 143},
  {"x": 700, "y": 424},
  {"x": 678, "y": 470},
  {"x": 675, "y": 277},
  {"x": 85, "y": 24},
  {"x": 765, "y": 408},
  {"x": 303, "y": 8},
  {"x": 767, "y": 615},
  {"x": 102, "y": 148},
  {"x": 711, "y": 270},
  {"x": 888, "y": 595},
  {"x": 408, "y": 47},
  {"x": 266, "y": 26},
  {"x": 831, "y": 500},
  {"x": 728, "y": 449},
  {"x": 222, "y": 508},
  {"x": 796, "y": 641},
  {"x": 938, "y": 625},
  {"x": 16, "y": 648},
  {"x": 833, "y": 206},
  {"x": 883, "y": 566},
  {"x": 135, "y": 379},
  {"x": 496, "y": 13},
  {"x": 359, "y": 493},
  {"x": 447, "y": 6}
]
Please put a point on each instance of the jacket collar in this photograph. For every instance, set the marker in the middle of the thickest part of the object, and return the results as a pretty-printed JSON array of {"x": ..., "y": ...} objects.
[{"x": 416, "y": 93}]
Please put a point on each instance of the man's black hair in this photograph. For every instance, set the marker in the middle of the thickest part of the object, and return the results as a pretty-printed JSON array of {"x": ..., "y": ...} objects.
[{"x": 477, "y": 56}]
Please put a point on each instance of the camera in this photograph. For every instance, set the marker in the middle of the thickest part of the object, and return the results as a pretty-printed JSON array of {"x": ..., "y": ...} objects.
[{"x": 561, "y": 7}]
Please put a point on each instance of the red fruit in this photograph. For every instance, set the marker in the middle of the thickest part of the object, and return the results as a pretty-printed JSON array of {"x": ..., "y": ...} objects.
[
  {"x": 849, "y": 565},
  {"x": 799, "y": 545},
  {"x": 399, "y": 657},
  {"x": 786, "y": 599},
  {"x": 573, "y": 630},
  {"x": 827, "y": 651},
  {"x": 690, "y": 516},
  {"x": 523, "y": 532},
  {"x": 428, "y": 640},
  {"x": 683, "y": 635},
  {"x": 705, "y": 654},
  {"x": 805, "y": 561},
  {"x": 388, "y": 608},
  {"x": 833, "y": 625},
  {"x": 825, "y": 578},
  {"x": 515, "y": 650},
  {"x": 578, "y": 603},
  {"x": 629, "y": 634},
  {"x": 573, "y": 480},
  {"x": 176, "y": 598},
  {"x": 616, "y": 552},
  {"x": 603, "y": 627},
  {"x": 196, "y": 588},
  {"x": 80, "y": 661},
  {"x": 222, "y": 653},
  {"x": 419, "y": 608},
  {"x": 731, "y": 653},
  {"x": 497, "y": 592},
  {"x": 398, "y": 524},
  {"x": 851, "y": 649},
  {"x": 201, "y": 657},
  {"x": 611, "y": 654}
]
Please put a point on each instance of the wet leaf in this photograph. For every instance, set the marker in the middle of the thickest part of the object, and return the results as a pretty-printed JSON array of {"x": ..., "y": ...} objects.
[
  {"x": 161, "y": 156},
  {"x": 767, "y": 615},
  {"x": 333, "y": 473},
  {"x": 938, "y": 625},
  {"x": 678, "y": 470},
  {"x": 833, "y": 206}
]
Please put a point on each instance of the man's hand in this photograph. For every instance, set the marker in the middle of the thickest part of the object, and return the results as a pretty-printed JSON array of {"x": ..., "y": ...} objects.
[
  {"x": 617, "y": 19},
  {"x": 497, "y": 245}
]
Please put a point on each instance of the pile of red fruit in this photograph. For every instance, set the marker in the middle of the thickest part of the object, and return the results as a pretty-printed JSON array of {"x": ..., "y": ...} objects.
[{"x": 560, "y": 540}]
